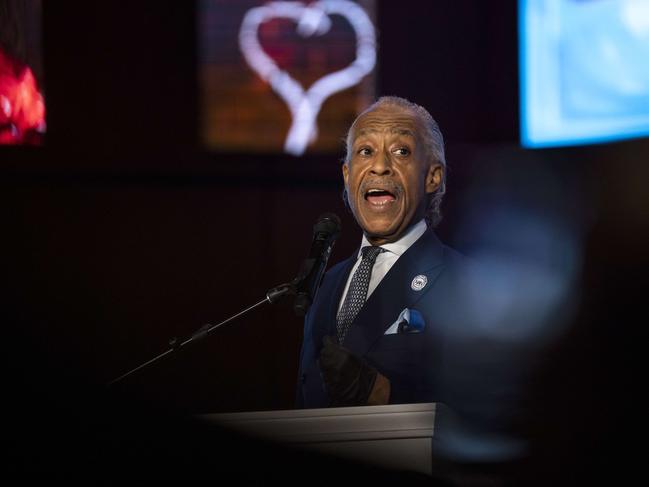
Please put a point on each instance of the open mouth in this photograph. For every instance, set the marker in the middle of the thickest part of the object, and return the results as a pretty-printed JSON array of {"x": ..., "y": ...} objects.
[{"x": 379, "y": 197}]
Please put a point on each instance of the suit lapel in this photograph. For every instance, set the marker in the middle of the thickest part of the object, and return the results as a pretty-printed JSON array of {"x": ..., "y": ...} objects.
[{"x": 395, "y": 292}]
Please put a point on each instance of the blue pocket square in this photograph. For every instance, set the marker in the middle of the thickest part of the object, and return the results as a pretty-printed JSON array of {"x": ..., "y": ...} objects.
[{"x": 409, "y": 321}]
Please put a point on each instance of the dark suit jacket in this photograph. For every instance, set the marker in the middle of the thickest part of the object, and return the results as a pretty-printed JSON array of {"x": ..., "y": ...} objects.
[
  {"x": 409, "y": 361},
  {"x": 482, "y": 379}
]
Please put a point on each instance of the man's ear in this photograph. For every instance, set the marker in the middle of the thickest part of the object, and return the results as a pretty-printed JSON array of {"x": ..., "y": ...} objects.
[
  {"x": 345, "y": 172},
  {"x": 434, "y": 177}
]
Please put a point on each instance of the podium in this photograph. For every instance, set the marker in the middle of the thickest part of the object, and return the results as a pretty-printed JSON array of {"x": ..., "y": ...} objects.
[{"x": 393, "y": 436}]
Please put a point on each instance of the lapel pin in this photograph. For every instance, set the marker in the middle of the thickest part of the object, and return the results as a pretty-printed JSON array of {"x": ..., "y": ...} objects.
[{"x": 418, "y": 282}]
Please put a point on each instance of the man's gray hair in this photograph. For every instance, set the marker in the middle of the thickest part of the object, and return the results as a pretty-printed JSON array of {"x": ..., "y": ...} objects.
[{"x": 433, "y": 143}]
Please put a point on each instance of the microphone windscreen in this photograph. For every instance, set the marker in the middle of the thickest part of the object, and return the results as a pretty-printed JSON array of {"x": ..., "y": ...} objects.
[{"x": 328, "y": 223}]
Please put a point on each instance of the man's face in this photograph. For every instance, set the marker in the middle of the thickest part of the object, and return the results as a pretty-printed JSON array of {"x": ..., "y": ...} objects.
[{"x": 389, "y": 174}]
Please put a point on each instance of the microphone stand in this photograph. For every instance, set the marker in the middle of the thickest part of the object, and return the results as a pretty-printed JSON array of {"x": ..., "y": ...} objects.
[
  {"x": 303, "y": 287},
  {"x": 272, "y": 297}
]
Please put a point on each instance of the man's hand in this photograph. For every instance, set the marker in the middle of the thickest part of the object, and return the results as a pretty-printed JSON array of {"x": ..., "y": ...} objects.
[{"x": 349, "y": 380}]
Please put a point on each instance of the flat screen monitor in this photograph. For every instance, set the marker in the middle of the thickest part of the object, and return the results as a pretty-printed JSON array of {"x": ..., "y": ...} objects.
[
  {"x": 284, "y": 76},
  {"x": 584, "y": 71},
  {"x": 22, "y": 95}
]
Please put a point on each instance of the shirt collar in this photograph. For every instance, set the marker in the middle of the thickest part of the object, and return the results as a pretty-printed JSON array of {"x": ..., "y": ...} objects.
[{"x": 401, "y": 245}]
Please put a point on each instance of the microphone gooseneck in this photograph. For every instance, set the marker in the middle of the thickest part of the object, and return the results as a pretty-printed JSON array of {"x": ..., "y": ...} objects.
[{"x": 303, "y": 287}]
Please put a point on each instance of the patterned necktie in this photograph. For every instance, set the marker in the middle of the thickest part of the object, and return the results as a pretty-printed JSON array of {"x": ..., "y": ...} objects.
[{"x": 357, "y": 292}]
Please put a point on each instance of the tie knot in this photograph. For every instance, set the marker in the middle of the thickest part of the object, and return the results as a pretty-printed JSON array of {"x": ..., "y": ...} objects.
[{"x": 370, "y": 252}]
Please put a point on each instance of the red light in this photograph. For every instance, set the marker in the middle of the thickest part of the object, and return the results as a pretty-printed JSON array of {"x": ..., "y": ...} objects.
[{"x": 22, "y": 107}]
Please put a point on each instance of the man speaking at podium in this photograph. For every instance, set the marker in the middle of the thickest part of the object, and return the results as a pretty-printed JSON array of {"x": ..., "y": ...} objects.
[
  {"x": 371, "y": 335},
  {"x": 407, "y": 319}
]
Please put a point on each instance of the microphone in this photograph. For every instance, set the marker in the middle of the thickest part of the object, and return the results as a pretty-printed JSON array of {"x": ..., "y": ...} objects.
[
  {"x": 325, "y": 232},
  {"x": 304, "y": 286}
]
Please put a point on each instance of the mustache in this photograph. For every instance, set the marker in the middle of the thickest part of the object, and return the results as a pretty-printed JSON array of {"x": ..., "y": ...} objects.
[{"x": 382, "y": 183}]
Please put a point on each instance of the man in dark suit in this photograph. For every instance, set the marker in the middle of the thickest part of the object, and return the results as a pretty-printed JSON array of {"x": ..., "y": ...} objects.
[
  {"x": 373, "y": 334},
  {"x": 407, "y": 319}
]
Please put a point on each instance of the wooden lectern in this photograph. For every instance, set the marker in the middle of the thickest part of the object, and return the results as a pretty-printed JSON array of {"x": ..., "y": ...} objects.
[{"x": 393, "y": 436}]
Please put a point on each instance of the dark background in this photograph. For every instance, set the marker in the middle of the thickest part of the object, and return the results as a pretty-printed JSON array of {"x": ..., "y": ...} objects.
[{"x": 122, "y": 232}]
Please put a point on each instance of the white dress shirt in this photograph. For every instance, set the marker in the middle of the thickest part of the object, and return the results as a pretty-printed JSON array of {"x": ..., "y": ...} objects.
[{"x": 385, "y": 260}]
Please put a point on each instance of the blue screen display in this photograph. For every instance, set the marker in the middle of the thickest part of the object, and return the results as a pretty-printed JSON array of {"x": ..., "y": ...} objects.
[{"x": 584, "y": 71}]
